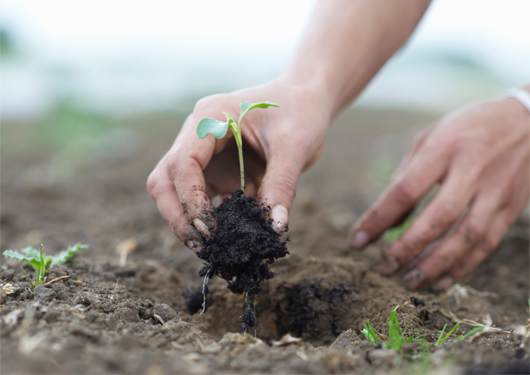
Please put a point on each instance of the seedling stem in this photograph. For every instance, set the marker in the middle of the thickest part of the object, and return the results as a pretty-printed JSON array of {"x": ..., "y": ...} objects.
[{"x": 220, "y": 128}]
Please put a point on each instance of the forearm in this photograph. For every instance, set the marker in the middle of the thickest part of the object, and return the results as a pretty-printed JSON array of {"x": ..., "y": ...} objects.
[{"x": 348, "y": 41}]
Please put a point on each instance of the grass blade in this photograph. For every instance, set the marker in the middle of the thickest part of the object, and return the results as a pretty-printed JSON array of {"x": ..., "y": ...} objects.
[
  {"x": 441, "y": 339},
  {"x": 472, "y": 332},
  {"x": 438, "y": 342}
]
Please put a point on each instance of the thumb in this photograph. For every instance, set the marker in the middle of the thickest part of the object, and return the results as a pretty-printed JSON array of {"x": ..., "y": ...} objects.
[{"x": 278, "y": 188}]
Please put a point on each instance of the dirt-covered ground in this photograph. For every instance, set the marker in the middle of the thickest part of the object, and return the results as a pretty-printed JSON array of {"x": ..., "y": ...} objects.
[{"x": 106, "y": 318}]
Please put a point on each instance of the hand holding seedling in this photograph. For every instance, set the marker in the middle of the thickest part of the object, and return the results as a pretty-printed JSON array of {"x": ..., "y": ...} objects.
[
  {"x": 278, "y": 143},
  {"x": 481, "y": 158}
]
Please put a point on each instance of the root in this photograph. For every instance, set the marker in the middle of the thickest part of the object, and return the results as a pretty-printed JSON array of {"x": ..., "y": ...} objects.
[
  {"x": 56, "y": 279},
  {"x": 204, "y": 284}
]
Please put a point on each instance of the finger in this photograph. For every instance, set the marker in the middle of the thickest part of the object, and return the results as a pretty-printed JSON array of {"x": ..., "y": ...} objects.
[
  {"x": 409, "y": 186},
  {"x": 419, "y": 139},
  {"x": 185, "y": 163},
  {"x": 162, "y": 190},
  {"x": 437, "y": 218},
  {"x": 278, "y": 186},
  {"x": 466, "y": 236},
  {"x": 466, "y": 264}
]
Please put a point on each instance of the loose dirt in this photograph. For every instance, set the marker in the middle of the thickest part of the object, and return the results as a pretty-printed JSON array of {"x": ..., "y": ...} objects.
[{"x": 143, "y": 317}]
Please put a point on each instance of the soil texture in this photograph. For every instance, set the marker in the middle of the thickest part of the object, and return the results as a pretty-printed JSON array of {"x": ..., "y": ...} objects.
[
  {"x": 243, "y": 245},
  {"x": 141, "y": 317}
]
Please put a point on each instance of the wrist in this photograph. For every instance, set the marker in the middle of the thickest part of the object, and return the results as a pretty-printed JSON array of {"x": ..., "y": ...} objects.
[{"x": 314, "y": 91}]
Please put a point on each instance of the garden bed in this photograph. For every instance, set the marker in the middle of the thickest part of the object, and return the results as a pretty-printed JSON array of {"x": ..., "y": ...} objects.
[{"x": 106, "y": 318}]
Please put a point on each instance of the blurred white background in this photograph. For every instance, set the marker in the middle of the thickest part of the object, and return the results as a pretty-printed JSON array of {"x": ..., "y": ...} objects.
[{"x": 128, "y": 57}]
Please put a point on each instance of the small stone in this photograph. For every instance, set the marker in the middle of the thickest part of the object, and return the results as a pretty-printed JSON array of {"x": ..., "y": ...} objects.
[
  {"x": 8, "y": 288},
  {"x": 3, "y": 297},
  {"x": 165, "y": 312}
]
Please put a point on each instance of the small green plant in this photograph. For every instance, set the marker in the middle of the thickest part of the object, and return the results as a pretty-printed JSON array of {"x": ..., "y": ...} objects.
[
  {"x": 394, "y": 233},
  {"x": 40, "y": 261},
  {"x": 470, "y": 333},
  {"x": 219, "y": 129},
  {"x": 442, "y": 338},
  {"x": 396, "y": 335}
]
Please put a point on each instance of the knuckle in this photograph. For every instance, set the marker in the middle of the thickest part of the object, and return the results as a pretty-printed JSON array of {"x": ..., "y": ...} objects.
[
  {"x": 407, "y": 192},
  {"x": 172, "y": 164},
  {"x": 447, "y": 215},
  {"x": 450, "y": 141},
  {"x": 472, "y": 232},
  {"x": 205, "y": 104},
  {"x": 151, "y": 184}
]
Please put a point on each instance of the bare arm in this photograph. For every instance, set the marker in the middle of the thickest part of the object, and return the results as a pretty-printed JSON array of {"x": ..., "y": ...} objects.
[{"x": 348, "y": 41}]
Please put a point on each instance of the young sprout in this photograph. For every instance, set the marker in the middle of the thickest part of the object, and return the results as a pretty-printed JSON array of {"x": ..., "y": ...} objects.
[
  {"x": 397, "y": 336},
  {"x": 442, "y": 338},
  {"x": 219, "y": 129},
  {"x": 40, "y": 261}
]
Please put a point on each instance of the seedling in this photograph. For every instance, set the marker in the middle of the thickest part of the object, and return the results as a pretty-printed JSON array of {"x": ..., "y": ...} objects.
[
  {"x": 396, "y": 335},
  {"x": 40, "y": 261},
  {"x": 219, "y": 129},
  {"x": 442, "y": 338},
  {"x": 470, "y": 333}
]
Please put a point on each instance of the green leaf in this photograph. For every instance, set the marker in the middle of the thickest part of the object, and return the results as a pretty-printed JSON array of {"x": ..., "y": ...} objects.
[
  {"x": 31, "y": 252},
  {"x": 246, "y": 106},
  {"x": 208, "y": 125},
  {"x": 64, "y": 255},
  {"x": 12, "y": 254}
]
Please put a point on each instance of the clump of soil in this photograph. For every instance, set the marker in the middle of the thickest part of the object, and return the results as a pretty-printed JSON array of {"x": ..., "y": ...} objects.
[
  {"x": 248, "y": 320},
  {"x": 308, "y": 300},
  {"x": 194, "y": 300},
  {"x": 243, "y": 245}
]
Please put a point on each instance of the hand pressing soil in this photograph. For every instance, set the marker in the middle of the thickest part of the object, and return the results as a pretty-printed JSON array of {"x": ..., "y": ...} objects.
[{"x": 243, "y": 245}]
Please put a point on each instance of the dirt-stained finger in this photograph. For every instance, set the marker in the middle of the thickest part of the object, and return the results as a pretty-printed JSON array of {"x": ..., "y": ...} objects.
[
  {"x": 185, "y": 163},
  {"x": 504, "y": 218},
  {"x": 466, "y": 236},
  {"x": 437, "y": 218},
  {"x": 408, "y": 187},
  {"x": 162, "y": 190}
]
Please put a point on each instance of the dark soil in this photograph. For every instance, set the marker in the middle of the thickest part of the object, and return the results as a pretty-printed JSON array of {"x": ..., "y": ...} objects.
[
  {"x": 137, "y": 318},
  {"x": 243, "y": 241}
]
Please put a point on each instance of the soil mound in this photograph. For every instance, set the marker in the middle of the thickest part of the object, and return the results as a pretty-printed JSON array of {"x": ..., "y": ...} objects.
[{"x": 243, "y": 245}]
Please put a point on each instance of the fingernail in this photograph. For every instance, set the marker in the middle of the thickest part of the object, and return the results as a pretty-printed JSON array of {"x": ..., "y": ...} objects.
[
  {"x": 390, "y": 266},
  {"x": 194, "y": 246},
  {"x": 279, "y": 219},
  {"x": 443, "y": 284},
  {"x": 413, "y": 279},
  {"x": 360, "y": 239},
  {"x": 201, "y": 227}
]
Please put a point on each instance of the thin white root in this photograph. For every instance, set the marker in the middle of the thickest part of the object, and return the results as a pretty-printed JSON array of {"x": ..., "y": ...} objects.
[{"x": 204, "y": 284}]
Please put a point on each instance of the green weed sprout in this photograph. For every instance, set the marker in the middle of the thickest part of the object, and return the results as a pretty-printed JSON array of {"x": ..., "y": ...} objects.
[
  {"x": 394, "y": 233},
  {"x": 40, "y": 261},
  {"x": 396, "y": 335},
  {"x": 470, "y": 333},
  {"x": 442, "y": 338},
  {"x": 370, "y": 334},
  {"x": 219, "y": 129}
]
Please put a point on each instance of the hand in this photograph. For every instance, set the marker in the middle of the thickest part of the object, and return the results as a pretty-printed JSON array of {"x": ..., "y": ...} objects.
[
  {"x": 481, "y": 158},
  {"x": 279, "y": 143}
]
